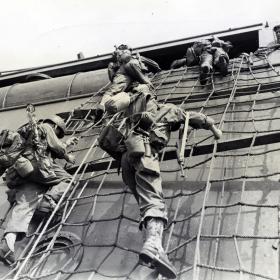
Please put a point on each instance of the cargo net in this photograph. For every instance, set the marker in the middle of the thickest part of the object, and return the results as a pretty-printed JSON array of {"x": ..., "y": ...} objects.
[{"x": 223, "y": 216}]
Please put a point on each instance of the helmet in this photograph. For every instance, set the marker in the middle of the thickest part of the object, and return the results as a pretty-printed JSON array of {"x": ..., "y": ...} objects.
[
  {"x": 276, "y": 27},
  {"x": 123, "y": 47},
  {"x": 59, "y": 122},
  {"x": 122, "y": 53}
]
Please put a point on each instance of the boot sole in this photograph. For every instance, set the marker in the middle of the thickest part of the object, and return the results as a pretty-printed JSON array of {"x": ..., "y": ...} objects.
[{"x": 163, "y": 268}]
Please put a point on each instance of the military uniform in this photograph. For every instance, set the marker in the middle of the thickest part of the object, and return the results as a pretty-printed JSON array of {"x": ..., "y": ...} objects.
[
  {"x": 145, "y": 184},
  {"x": 276, "y": 43},
  {"x": 220, "y": 51},
  {"x": 141, "y": 171},
  {"x": 208, "y": 56},
  {"x": 125, "y": 72},
  {"x": 192, "y": 56},
  {"x": 47, "y": 178}
]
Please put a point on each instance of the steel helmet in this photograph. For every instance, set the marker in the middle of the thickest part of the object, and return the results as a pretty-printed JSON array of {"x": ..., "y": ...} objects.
[
  {"x": 276, "y": 27},
  {"x": 59, "y": 122},
  {"x": 123, "y": 47}
]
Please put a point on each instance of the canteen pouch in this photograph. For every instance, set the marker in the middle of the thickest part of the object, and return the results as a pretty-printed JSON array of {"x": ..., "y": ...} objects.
[
  {"x": 23, "y": 166},
  {"x": 111, "y": 140}
]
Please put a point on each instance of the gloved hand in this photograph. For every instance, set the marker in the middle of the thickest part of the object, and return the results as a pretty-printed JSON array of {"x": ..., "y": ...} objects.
[
  {"x": 72, "y": 141},
  {"x": 70, "y": 158}
]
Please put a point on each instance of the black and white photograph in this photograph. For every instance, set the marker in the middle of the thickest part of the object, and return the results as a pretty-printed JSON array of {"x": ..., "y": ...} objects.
[{"x": 139, "y": 140}]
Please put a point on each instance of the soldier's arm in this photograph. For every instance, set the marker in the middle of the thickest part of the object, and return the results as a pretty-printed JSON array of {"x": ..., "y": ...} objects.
[
  {"x": 178, "y": 63},
  {"x": 133, "y": 69},
  {"x": 112, "y": 69},
  {"x": 151, "y": 64},
  {"x": 56, "y": 146}
]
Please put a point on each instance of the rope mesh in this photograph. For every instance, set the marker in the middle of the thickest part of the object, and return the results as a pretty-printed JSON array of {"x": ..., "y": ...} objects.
[{"x": 217, "y": 225}]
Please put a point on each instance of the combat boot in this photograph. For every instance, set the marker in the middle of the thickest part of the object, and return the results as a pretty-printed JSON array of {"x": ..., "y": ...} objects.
[
  {"x": 152, "y": 251},
  {"x": 6, "y": 255},
  {"x": 223, "y": 65},
  {"x": 205, "y": 71}
]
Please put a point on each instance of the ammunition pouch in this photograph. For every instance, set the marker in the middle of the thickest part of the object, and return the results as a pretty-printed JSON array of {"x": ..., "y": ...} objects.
[
  {"x": 159, "y": 137},
  {"x": 111, "y": 141},
  {"x": 135, "y": 145}
]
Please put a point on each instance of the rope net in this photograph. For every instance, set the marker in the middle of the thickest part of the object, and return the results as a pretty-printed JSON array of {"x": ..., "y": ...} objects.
[{"x": 223, "y": 217}]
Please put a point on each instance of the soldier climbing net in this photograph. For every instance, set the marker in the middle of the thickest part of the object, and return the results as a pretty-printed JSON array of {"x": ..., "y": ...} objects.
[{"x": 223, "y": 217}]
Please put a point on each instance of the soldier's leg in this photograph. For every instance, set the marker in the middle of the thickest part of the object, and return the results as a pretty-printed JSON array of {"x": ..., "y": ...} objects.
[
  {"x": 54, "y": 193},
  {"x": 206, "y": 66},
  {"x": 120, "y": 83},
  {"x": 147, "y": 188},
  {"x": 201, "y": 121},
  {"x": 26, "y": 200},
  {"x": 117, "y": 103},
  {"x": 221, "y": 61},
  {"x": 154, "y": 218}
]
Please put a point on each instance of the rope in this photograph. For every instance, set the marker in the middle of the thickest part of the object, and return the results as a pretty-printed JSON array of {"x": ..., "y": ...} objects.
[{"x": 181, "y": 233}]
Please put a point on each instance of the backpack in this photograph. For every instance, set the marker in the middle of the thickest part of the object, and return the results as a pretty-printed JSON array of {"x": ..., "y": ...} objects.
[{"x": 11, "y": 147}]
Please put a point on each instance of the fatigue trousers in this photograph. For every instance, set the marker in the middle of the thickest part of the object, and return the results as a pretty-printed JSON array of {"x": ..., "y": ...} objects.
[
  {"x": 120, "y": 83},
  {"x": 146, "y": 187},
  {"x": 221, "y": 65},
  {"x": 27, "y": 191},
  {"x": 26, "y": 199},
  {"x": 206, "y": 62}
]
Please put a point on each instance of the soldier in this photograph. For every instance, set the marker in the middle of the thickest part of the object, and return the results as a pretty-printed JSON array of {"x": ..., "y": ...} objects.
[
  {"x": 199, "y": 54},
  {"x": 220, "y": 51},
  {"x": 149, "y": 129},
  {"x": 125, "y": 72},
  {"x": 275, "y": 43},
  {"x": 276, "y": 29},
  {"x": 37, "y": 180},
  {"x": 207, "y": 55},
  {"x": 192, "y": 56}
]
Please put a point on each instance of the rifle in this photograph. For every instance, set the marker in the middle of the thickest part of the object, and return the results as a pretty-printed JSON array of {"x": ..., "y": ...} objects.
[
  {"x": 30, "y": 109},
  {"x": 183, "y": 135}
]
